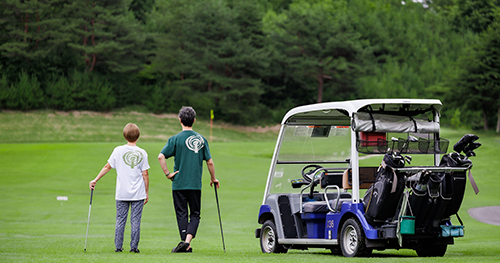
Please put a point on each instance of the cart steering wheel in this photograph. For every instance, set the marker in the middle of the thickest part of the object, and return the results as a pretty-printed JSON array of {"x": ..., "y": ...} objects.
[{"x": 310, "y": 173}]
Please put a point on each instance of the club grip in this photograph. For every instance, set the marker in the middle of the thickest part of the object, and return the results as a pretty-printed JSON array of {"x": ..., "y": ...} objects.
[{"x": 91, "y": 194}]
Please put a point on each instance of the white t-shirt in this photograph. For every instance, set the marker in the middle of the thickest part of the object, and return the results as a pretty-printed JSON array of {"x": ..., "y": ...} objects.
[{"x": 129, "y": 162}]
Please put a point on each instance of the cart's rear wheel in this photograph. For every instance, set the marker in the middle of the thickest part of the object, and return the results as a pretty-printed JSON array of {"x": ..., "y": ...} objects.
[
  {"x": 336, "y": 250},
  {"x": 352, "y": 239},
  {"x": 431, "y": 250},
  {"x": 269, "y": 239}
]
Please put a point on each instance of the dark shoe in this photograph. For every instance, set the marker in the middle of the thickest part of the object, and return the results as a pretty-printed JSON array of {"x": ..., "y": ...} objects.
[
  {"x": 119, "y": 250},
  {"x": 189, "y": 250},
  {"x": 181, "y": 247},
  {"x": 134, "y": 250}
]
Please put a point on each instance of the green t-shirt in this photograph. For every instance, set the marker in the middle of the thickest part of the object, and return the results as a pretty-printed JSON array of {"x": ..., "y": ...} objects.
[{"x": 189, "y": 150}]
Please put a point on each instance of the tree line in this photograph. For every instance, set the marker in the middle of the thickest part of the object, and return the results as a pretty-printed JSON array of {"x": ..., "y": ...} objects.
[{"x": 250, "y": 60}]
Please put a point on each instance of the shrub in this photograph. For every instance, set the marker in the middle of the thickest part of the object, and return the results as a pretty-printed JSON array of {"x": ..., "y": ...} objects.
[
  {"x": 81, "y": 91},
  {"x": 24, "y": 95}
]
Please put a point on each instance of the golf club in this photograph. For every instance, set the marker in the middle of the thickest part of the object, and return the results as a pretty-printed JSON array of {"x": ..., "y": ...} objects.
[
  {"x": 220, "y": 221},
  {"x": 88, "y": 220}
]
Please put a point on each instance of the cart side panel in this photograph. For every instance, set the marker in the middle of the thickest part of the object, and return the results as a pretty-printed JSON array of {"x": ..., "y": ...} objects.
[{"x": 357, "y": 210}]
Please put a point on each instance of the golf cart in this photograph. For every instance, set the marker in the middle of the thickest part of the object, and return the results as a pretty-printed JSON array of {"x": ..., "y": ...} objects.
[{"x": 360, "y": 175}]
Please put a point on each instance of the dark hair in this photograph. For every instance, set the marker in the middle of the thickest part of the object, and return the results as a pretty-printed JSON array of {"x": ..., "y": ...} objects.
[
  {"x": 187, "y": 115},
  {"x": 131, "y": 132}
]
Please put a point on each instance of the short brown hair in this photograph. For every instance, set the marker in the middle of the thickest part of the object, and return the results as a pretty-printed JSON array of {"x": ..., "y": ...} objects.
[{"x": 131, "y": 132}]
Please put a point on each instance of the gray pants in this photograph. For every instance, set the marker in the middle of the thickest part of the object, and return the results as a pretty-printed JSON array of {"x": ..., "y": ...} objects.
[{"x": 135, "y": 222}]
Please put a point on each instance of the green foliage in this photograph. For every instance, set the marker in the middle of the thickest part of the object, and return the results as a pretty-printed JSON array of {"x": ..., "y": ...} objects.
[
  {"x": 252, "y": 60},
  {"x": 29, "y": 28},
  {"x": 477, "y": 85},
  {"x": 32, "y": 38},
  {"x": 141, "y": 8},
  {"x": 475, "y": 15},
  {"x": 321, "y": 50},
  {"x": 171, "y": 97},
  {"x": 456, "y": 119},
  {"x": 80, "y": 91},
  {"x": 25, "y": 94},
  {"x": 3, "y": 90},
  {"x": 158, "y": 101},
  {"x": 414, "y": 49},
  {"x": 112, "y": 40},
  {"x": 218, "y": 64}
]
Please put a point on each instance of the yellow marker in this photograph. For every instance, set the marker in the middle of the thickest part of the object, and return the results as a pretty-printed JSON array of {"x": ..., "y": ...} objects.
[{"x": 211, "y": 123}]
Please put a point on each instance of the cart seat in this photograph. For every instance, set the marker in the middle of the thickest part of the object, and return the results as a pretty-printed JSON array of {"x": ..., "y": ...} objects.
[
  {"x": 322, "y": 207},
  {"x": 366, "y": 177}
]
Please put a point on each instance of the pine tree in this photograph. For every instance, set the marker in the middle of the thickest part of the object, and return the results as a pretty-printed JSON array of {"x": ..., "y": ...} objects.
[
  {"x": 321, "y": 48},
  {"x": 111, "y": 39},
  {"x": 478, "y": 85},
  {"x": 213, "y": 50},
  {"x": 141, "y": 9},
  {"x": 32, "y": 38}
]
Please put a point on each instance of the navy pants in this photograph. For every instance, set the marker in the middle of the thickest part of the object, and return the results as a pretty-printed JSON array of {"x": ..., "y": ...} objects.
[
  {"x": 184, "y": 201},
  {"x": 122, "y": 208}
]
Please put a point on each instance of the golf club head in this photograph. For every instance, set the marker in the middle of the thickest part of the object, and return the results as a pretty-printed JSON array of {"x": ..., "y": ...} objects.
[
  {"x": 408, "y": 159},
  {"x": 398, "y": 159},
  {"x": 394, "y": 140},
  {"x": 412, "y": 138}
]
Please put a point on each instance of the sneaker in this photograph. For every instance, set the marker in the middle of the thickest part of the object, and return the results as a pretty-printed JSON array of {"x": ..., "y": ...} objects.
[
  {"x": 189, "y": 250},
  {"x": 134, "y": 250},
  {"x": 119, "y": 250},
  {"x": 181, "y": 247}
]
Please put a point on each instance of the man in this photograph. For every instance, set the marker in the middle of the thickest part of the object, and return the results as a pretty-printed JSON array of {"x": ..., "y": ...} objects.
[{"x": 189, "y": 149}]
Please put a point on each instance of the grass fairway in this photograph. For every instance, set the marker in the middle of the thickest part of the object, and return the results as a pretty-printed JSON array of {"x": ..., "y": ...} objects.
[{"x": 36, "y": 227}]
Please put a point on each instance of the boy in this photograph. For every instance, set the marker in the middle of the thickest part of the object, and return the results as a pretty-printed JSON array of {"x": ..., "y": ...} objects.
[
  {"x": 189, "y": 149},
  {"x": 132, "y": 185}
]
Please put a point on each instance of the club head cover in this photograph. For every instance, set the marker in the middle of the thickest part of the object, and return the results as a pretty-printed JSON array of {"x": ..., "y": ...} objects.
[
  {"x": 464, "y": 141},
  {"x": 468, "y": 150},
  {"x": 472, "y": 146},
  {"x": 469, "y": 154}
]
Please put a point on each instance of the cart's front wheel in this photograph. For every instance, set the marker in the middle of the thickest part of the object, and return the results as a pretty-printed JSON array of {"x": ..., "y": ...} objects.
[
  {"x": 352, "y": 239},
  {"x": 269, "y": 239}
]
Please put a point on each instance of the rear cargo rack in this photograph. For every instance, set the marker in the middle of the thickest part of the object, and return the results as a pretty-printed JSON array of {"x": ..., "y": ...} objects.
[{"x": 434, "y": 169}]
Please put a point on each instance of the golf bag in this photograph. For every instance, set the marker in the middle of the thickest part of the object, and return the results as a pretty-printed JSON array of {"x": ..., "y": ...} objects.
[
  {"x": 382, "y": 198},
  {"x": 437, "y": 196}
]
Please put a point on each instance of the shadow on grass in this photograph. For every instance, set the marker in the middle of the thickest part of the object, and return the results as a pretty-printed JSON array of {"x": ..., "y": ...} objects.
[{"x": 375, "y": 254}]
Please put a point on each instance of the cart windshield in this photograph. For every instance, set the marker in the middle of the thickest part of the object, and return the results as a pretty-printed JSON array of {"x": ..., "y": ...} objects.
[{"x": 326, "y": 146}]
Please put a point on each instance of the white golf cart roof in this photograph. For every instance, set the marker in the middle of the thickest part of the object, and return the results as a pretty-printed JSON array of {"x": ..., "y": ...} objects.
[{"x": 324, "y": 113}]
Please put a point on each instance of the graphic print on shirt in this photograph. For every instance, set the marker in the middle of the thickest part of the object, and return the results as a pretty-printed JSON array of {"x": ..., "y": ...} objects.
[
  {"x": 133, "y": 158},
  {"x": 195, "y": 143}
]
